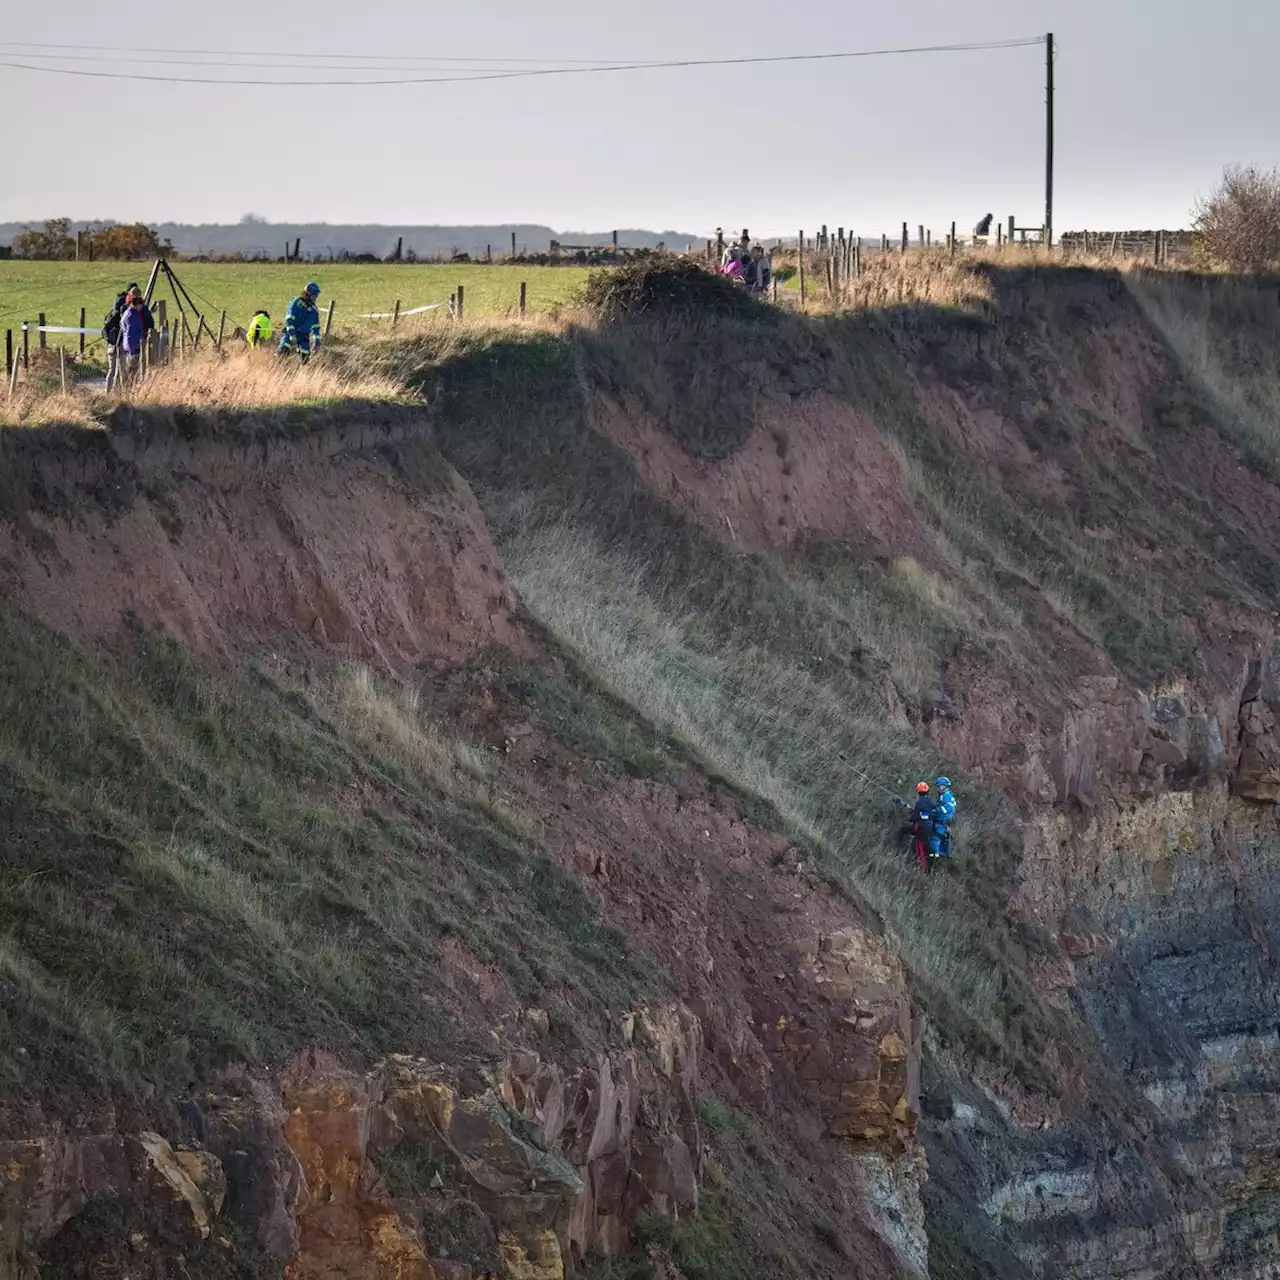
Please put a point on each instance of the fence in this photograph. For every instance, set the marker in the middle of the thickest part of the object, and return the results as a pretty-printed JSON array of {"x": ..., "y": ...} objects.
[
  {"x": 836, "y": 259},
  {"x": 177, "y": 338},
  {"x": 1160, "y": 246}
]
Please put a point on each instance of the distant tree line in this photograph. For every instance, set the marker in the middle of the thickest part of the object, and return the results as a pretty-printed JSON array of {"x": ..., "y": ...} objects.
[{"x": 55, "y": 241}]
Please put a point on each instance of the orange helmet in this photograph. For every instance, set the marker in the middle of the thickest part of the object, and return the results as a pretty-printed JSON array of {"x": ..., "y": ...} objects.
[{"x": 922, "y": 788}]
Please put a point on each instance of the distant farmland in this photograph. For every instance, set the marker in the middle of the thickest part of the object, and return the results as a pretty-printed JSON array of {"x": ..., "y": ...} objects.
[{"x": 60, "y": 289}]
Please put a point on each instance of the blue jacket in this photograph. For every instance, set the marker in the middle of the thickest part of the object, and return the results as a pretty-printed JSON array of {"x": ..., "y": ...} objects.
[
  {"x": 301, "y": 326},
  {"x": 133, "y": 330},
  {"x": 945, "y": 809}
]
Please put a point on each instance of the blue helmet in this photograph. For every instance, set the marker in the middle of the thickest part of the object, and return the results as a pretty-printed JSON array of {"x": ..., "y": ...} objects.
[
  {"x": 313, "y": 289},
  {"x": 944, "y": 784}
]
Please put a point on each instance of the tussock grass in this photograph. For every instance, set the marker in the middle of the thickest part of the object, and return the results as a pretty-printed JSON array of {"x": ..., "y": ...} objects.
[
  {"x": 391, "y": 720},
  {"x": 257, "y": 380},
  {"x": 205, "y": 863},
  {"x": 1225, "y": 334},
  {"x": 816, "y": 749},
  {"x": 207, "y": 382}
]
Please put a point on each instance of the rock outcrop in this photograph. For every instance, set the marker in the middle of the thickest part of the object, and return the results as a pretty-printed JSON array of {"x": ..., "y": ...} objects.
[
  {"x": 405, "y": 1172},
  {"x": 1257, "y": 773}
]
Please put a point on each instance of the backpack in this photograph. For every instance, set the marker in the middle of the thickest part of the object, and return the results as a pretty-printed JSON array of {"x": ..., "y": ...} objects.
[{"x": 111, "y": 322}]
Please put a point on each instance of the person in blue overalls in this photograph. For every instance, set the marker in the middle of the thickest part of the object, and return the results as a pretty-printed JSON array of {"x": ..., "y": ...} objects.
[
  {"x": 944, "y": 812},
  {"x": 302, "y": 324}
]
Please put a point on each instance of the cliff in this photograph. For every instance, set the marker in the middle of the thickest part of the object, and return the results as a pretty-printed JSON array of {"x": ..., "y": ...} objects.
[{"x": 454, "y": 841}]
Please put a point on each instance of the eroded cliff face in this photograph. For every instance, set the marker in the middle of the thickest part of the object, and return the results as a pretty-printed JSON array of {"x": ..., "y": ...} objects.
[
  {"x": 1152, "y": 850},
  {"x": 408, "y": 1171}
]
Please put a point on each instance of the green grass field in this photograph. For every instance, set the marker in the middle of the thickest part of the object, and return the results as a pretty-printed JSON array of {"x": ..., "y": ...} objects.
[{"x": 60, "y": 289}]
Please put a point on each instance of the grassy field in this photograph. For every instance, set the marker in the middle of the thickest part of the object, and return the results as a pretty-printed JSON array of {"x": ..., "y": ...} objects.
[{"x": 60, "y": 289}]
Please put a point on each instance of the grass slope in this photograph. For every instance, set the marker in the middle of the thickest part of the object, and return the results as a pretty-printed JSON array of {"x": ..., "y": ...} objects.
[
  {"x": 772, "y": 673},
  {"x": 207, "y": 864}
]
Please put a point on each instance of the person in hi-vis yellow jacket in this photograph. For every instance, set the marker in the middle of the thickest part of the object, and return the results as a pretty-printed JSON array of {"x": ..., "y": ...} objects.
[{"x": 261, "y": 330}]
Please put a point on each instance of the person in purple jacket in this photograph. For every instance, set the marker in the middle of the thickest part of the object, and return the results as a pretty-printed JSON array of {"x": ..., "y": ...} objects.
[{"x": 135, "y": 325}]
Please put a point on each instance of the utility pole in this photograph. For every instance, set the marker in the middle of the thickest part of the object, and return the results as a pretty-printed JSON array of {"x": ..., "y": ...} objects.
[{"x": 1048, "y": 142}]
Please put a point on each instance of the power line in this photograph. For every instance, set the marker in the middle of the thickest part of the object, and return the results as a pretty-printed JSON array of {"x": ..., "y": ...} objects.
[
  {"x": 20, "y": 45},
  {"x": 201, "y": 59},
  {"x": 675, "y": 64}
]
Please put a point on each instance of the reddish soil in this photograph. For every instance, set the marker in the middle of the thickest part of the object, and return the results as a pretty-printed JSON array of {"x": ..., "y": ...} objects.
[
  {"x": 342, "y": 551},
  {"x": 728, "y": 910},
  {"x": 813, "y": 468}
]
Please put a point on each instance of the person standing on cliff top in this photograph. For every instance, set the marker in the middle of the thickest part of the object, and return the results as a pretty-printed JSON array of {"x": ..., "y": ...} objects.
[{"x": 302, "y": 324}]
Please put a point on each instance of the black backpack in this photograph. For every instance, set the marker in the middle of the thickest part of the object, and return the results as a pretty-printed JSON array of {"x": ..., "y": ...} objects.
[{"x": 111, "y": 322}]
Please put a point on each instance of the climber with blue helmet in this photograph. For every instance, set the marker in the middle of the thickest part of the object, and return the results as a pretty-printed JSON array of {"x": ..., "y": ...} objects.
[
  {"x": 944, "y": 812},
  {"x": 302, "y": 324}
]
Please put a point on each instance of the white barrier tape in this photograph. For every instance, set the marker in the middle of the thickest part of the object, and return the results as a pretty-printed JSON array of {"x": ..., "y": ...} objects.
[
  {"x": 57, "y": 328},
  {"x": 391, "y": 315}
]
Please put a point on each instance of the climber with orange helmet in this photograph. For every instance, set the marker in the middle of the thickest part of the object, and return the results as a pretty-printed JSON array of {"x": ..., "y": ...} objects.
[{"x": 922, "y": 815}]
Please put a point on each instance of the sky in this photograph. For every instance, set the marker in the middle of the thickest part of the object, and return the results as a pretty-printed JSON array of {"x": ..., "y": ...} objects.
[{"x": 1154, "y": 97}]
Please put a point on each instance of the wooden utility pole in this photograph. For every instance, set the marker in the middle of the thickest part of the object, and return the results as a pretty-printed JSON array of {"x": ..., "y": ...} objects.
[{"x": 1048, "y": 141}]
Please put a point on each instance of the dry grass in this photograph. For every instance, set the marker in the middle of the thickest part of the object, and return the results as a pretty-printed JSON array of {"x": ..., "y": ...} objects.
[
  {"x": 781, "y": 732},
  {"x": 243, "y": 380},
  {"x": 934, "y": 277},
  {"x": 390, "y": 720},
  {"x": 1225, "y": 333}
]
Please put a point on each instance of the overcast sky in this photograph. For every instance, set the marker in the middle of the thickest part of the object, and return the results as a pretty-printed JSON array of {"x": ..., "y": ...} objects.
[{"x": 1154, "y": 97}]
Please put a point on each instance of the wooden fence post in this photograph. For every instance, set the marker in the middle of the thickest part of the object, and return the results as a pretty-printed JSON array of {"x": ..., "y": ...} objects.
[
  {"x": 524, "y": 296},
  {"x": 884, "y": 242},
  {"x": 513, "y": 244},
  {"x": 82, "y": 331},
  {"x": 921, "y": 241},
  {"x": 43, "y": 335},
  {"x": 222, "y": 329},
  {"x": 857, "y": 259},
  {"x": 800, "y": 260},
  {"x": 953, "y": 239},
  {"x": 460, "y": 300},
  {"x": 62, "y": 367},
  {"x": 26, "y": 345},
  {"x": 162, "y": 331},
  {"x": 8, "y": 352},
  {"x": 903, "y": 248},
  {"x": 395, "y": 314},
  {"x": 13, "y": 378},
  {"x": 328, "y": 320}
]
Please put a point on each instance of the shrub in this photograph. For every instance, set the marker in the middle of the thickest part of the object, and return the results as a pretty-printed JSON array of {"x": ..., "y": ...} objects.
[
  {"x": 1239, "y": 224},
  {"x": 648, "y": 285},
  {"x": 53, "y": 240}
]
